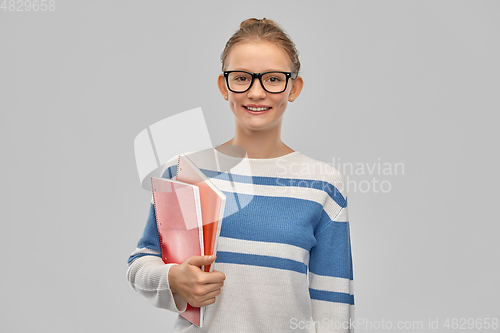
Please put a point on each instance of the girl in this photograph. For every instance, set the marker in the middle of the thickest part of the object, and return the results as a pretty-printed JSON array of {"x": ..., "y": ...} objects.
[{"x": 284, "y": 258}]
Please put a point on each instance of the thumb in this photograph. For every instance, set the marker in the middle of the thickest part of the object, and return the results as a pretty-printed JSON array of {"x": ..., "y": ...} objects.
[{"x": 201, "y": 260}]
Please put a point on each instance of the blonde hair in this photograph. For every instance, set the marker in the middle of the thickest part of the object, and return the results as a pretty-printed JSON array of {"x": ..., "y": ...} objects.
[{"x": 263, "y": 29}]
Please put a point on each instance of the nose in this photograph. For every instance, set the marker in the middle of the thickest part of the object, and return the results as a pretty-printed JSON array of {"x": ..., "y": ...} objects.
[{"x": 256, "y": 91}]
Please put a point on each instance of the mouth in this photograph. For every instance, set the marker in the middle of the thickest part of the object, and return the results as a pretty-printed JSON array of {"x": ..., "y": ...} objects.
[{"x": 256, "y": 109}]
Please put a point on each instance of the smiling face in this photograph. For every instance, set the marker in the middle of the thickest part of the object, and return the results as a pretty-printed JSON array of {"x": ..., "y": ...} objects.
[{"x": 256, "y": 109}]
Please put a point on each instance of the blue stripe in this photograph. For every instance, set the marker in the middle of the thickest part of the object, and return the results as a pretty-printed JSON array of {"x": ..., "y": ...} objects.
[
  {"x": 333, "y": 247},
  {"x": 170, "y": 172},
  {"x": 135, "y": 256},
  {"x": 276, "y": 219},
  {"x": 262, "y": 261},
  {"x": 331, "y": 296},
  {"x": 332, "y": 191},
  {"x": 149, "y": 238}
]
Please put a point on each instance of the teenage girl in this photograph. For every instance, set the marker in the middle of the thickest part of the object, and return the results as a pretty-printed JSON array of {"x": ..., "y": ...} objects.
[{"x": 284, "y": 259}]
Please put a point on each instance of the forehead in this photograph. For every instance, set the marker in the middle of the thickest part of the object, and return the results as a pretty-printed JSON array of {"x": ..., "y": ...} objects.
[{"x": 258, "y": 56}]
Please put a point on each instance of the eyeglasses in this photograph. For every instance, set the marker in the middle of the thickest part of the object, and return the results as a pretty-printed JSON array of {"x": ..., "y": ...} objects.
[{"x": 274, "y": 82}]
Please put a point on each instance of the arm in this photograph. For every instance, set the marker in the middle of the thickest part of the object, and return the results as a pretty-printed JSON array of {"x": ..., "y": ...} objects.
[
  {"x": 330, "y": 275},
  {"x": 148, "y": 274}
]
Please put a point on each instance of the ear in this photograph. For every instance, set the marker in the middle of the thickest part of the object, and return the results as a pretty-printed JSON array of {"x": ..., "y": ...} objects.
[
  {"x": 297, "y": 86},
  {"x": 221, "y": 82}
]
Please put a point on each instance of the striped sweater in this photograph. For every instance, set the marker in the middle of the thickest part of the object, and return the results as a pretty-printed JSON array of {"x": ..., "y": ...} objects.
[{"x": 284, "y": 247}]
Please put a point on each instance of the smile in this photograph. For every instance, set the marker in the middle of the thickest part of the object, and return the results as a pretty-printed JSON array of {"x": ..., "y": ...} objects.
[{"x": 256, "y": 109}]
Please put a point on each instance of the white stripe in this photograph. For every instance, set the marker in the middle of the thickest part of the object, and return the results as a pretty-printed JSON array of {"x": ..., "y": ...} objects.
[
  {"x": 333, "y": 317},
  {"x": 295, "y": 166},
  {"x": 279, "y": 250},
  {"x": 342, "y": 216},
  {"x": 330, "y": 283},
  {"x": 260, "y": 291}
]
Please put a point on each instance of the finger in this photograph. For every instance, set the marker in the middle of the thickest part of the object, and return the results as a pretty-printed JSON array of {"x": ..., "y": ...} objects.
[
  {"x": 206, "y": 299},
  {"x": 213, "y": 277},
  {"x": 219, "y": 272},
  {"x": 214, "y": 286},
  {"x": 201, "y": 260},
  {"x": 213, "y": 294},
  {"x": 204, "y": 303},
  {"x": 202, "y": 292}
]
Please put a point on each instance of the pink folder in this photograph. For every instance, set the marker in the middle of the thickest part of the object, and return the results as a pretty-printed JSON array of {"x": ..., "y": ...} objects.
[
  {"x": 212, "y": 203},
  {"x": 180, "y": 227}
]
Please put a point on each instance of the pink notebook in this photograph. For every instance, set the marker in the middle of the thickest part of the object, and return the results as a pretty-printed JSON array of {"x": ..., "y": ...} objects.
[
  {"x": 212, "y": 199},
  {"x": 180, "y": 227}
]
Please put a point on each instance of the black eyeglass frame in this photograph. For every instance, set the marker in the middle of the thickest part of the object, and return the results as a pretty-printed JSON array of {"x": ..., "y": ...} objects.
[{"x": 259, "y": 76}]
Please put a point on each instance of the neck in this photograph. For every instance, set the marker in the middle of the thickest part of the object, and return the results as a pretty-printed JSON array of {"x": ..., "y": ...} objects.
[{"x": 260, "y": 144}]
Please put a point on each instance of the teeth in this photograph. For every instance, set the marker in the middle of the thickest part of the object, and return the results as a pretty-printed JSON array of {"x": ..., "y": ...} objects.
[{"x": 257, "y": 109}]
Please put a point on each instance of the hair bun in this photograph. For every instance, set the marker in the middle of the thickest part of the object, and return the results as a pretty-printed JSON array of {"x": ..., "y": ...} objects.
[{"x": 251, "y": 21}]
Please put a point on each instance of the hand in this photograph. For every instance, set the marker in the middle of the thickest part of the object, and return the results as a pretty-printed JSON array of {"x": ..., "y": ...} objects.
[{"x": 195, "y": 286}]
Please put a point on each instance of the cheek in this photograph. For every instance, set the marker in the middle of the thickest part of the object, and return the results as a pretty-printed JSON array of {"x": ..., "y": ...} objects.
[
  {"x": 235, "y": 100},
  {"x": 234, "y": 104},
  {"x": 282, "y": 103}
]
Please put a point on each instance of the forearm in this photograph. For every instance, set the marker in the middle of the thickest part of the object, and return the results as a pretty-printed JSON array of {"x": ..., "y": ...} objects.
[{"x": 148, "y": 275}]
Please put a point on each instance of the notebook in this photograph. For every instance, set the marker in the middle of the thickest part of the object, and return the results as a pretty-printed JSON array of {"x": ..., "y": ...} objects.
[
  {"x": 212, "y": 199},
  {"x": 180, "y": 227}
]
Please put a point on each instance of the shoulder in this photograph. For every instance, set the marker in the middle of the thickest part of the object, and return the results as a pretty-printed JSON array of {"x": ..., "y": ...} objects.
[{"x": 331, "y": 180}]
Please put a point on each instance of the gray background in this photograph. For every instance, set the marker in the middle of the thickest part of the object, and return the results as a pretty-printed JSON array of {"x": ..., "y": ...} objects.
[{"x": 412, "y": 82}]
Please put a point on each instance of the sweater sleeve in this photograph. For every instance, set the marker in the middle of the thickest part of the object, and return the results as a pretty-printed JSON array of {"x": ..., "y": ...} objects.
[
  {"x": 331, "y": 275},
  {"x": 147, "y": 273}
]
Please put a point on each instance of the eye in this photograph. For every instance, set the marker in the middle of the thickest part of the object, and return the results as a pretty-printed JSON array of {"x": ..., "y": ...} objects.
[
  {"x": 241, "y": 78},
  {"x": 274, "y": 79}
]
